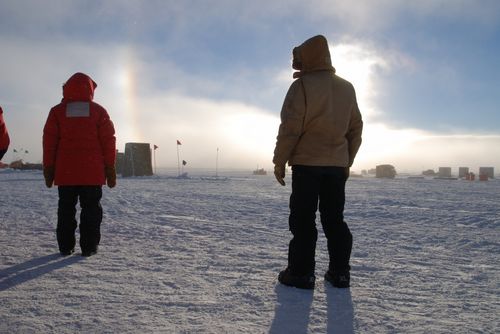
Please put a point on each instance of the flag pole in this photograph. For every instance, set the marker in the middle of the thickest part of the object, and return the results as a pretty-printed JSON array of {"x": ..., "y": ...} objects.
[
  {"x": 178, "y": 161},
  {"x": 154, "y": 157},
  {"x": 217, "y": 163}
]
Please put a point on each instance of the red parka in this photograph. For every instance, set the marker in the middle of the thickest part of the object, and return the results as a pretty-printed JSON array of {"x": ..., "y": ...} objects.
[
  {"x": 4, "y": 135},
  {"x": 79, "y": 137}
]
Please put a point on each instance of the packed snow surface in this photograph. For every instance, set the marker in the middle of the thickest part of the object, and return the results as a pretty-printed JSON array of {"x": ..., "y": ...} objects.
[{"x": 201, "y": 255}]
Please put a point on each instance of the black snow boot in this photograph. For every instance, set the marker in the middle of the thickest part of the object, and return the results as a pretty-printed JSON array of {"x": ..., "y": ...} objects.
[
  {"x": 67, "y": 252},
  {"x": 90, "y": 252},
  {"x": 286, "y": 277},
  {"x": 338, "y": 279}
]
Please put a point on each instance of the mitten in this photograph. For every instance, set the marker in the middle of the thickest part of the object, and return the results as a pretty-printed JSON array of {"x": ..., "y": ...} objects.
[
  {"x": 279, "y": 173},
  {"x": 48, "y": 174},
  {"x": 110, "y": 173}
]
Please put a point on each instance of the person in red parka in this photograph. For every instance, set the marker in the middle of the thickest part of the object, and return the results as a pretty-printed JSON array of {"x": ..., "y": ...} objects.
[
  {"x": 79, "y": 157},
  {"x": 4, "y": 136}
]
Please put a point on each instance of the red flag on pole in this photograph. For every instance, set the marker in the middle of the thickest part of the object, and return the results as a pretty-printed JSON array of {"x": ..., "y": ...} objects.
[{"x": 178, "y": 142}]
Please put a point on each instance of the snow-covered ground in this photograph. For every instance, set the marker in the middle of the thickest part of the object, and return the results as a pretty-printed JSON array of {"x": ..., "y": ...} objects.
[{"x": 202, "y": 256}]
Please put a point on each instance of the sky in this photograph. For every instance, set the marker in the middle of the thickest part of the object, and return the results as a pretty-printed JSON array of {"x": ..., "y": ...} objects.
[{"x": 213, "y": 74}]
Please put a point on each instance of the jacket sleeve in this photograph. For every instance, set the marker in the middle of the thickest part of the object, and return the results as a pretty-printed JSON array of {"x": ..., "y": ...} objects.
[
  {"x": 50, "y": 140},
  {"x": 354, "y": 132},
  {"x": 107, "y": 139},
  {"x": 4, "y": 134},
  {"x": 292, "y": 123}
]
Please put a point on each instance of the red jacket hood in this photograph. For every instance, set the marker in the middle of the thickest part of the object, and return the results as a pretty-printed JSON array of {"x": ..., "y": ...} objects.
[{"x": 80, "y": 87}]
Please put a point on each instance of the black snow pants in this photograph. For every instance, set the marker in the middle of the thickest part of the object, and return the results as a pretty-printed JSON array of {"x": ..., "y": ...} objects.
[
  {"x": 311, "y": 184},
  {"x": 90, "y": 217}
]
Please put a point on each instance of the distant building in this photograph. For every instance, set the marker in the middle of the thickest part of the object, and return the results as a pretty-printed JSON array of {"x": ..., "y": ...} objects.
[
  {"x": 19, "y": 164},
  {"x": 429, "y": 172},
  {"x": 260, "y": 171},
  {"x": 137, "y": 160},
  {"x": 487, "y": 171},
  {"x": 385, "y": 171},
  {"x": 120, "y": 162},
  {"x": 470, "y": 176},
  {"x": 444, "y": 172},
  {"x": 463, "y": 171}
]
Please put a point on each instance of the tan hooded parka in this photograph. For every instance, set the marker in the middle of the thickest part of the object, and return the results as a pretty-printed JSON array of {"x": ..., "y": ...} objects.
[{"x": 320, "y": 121}]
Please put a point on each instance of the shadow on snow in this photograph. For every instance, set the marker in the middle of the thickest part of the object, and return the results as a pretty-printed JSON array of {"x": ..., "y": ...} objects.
[
  {"x": 293, "y": 309},
  {"x": 34, "y": 268}
]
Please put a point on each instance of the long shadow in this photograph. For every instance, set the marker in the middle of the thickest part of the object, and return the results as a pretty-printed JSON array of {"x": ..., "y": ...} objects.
[
  {"x": 34, "y": 268},
  {"x": 293, "y": 309},
  {"x": 340, "y": 310}
]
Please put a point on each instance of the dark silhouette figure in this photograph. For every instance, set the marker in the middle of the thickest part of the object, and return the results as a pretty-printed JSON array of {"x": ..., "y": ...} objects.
[{"x": 319, "y": 136}]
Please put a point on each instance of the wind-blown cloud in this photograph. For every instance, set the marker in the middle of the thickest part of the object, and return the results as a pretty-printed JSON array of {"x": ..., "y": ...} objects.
[
  {"x": 409, "y": 148},
  {"x": 215, "y": 74},
  {"x": 244, "y": 134},
  {"x": 148, "y": 98}
]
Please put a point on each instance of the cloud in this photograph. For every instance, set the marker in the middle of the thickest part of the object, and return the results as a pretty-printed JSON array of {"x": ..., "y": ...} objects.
[
  {"x": 244, "y": 134},
  {"x": 33, "y": 73},
  {"x": 184, "y": 18},
  {"x": 412, "y": 150},
  {"x": 407, "y": 148},
  {"x": 148, "y": 99},
  {"x": 215, "y": 76},
  {"x": 358, "y": 64},
  {"x": 367, "y": 16}
]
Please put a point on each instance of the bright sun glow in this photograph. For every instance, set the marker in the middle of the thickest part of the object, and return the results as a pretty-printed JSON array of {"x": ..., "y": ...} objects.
[
  {"x": 254, "y": 130},
  {"x": 126, "y": 84},
  {"x": 357, "y": 64}
]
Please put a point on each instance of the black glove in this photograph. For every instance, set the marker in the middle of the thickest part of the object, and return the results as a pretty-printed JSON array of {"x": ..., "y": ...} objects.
[
  {"x": 48, "y": 174},
  {"x": 279, "y": 173},
  {"x": 110, "y": 173}
]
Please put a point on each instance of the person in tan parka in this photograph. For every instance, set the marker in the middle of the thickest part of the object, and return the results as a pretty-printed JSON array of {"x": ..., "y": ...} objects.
[{"x": 319, "y": 136}]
